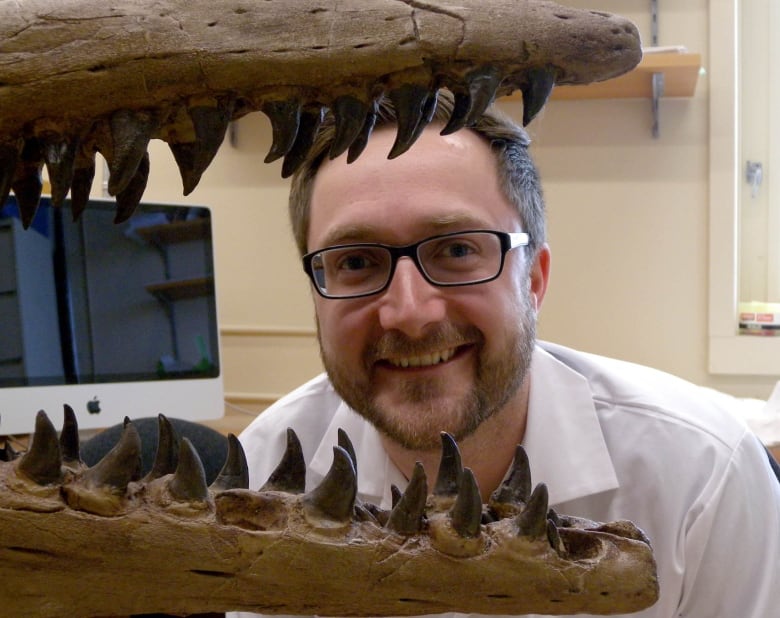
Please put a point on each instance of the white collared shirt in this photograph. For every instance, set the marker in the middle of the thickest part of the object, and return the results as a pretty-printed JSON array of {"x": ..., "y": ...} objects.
[{"x": 612, "y": 441}]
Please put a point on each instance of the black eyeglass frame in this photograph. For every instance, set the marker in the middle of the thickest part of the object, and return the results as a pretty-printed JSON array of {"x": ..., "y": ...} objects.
[{"x": 508, "y": 241}]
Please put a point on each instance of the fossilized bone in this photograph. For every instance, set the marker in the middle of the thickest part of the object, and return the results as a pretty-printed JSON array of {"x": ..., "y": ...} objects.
[
  {"x": 78, "y": 541},
  {"x": 80, "y": 76}
]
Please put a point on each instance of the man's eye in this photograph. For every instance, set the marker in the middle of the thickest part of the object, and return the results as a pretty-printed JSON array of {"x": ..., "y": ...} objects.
[
  {"x": 354, "y": 262},
  {"x": 457, "y": 250}
]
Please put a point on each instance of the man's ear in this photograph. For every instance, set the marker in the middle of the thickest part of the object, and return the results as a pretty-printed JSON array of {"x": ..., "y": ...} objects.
[{"x": 540, "y": 275}]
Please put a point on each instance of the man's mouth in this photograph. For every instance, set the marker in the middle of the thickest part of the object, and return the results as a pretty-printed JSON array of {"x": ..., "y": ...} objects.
[{"x": 423, "y": 360}]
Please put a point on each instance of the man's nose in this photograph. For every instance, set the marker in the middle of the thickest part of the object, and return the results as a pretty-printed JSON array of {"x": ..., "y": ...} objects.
[{"x": 410, "y": 304}]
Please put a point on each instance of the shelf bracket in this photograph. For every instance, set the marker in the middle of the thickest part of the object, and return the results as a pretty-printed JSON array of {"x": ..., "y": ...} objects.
[{"x": 658, "y": 92}]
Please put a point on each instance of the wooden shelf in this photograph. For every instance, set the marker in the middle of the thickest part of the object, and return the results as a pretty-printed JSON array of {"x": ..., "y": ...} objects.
[
  {"x": 181, "y": 289},
  {"x": 175, "y": 232},
  {"x": 680, "y": 71}
]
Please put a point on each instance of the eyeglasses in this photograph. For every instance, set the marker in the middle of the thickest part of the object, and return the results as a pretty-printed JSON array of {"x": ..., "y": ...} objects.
[{"x": 363, "y": 269}]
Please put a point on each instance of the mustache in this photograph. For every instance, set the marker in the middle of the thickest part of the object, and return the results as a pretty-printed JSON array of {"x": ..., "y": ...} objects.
[{"x": 394, "y": 344}]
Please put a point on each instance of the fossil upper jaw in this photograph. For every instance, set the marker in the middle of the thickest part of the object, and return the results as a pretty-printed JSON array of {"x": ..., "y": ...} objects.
[{"x": 80, "y": 76}]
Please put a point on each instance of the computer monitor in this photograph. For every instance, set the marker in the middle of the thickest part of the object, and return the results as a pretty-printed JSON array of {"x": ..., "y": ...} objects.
[{"x": 115, "y": 320}]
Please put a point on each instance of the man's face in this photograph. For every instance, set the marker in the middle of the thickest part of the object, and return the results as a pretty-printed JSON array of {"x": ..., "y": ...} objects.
[{"x": 417, "y": 359}]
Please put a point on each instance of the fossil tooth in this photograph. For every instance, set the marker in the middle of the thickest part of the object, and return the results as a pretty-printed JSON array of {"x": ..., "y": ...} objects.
[
  {"x": 334, "y": 498},
  {"x": 350, "y": 114},
  {"x": 395, "y": 495},
  {"x": 460, "y": 113},
  {"x": 69, "y": 437},
  {"x": 483, "y": 84},
  {"x": 466, "y": 513},
  {"x": 516, "y": 487},
  {"x": 127, "y": 199},
  {"x": 554, "y": 537},
  {"x": 532, "y": 522},
  {"x": 361, "y": 140},
  {"x": 235, "y": 472},
  {"x": 345, "y": 443},
  {"x": 9, "y": 157},
  {"x": 307, "y": 129},
  {"x": 188, "y": 483},
  {"x": 8, "y": 452},
  {"x": 290, "y": 474},
  {"x": 193, "y": 158},
  {"x": 130, "y": 133},
  {"x": 414, "y": 105},
  {"x": 409, "y": 510},
  {"x": 42, "y": 463},
  {"x": 536, "y": 92},
  {"x": 27, "y": 183},
  {"x": 59, "y": 155},
  {"x": 83, "y": 175},
  {"x": 167, "y": 456},
  {"x": 120, "y": 466},
  {"x": 450, "y": 468},
  {"x": 285, "y": 117}
]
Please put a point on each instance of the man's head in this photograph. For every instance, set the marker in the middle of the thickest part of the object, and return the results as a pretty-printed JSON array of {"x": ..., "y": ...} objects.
[{"x": 417, "y": 358}]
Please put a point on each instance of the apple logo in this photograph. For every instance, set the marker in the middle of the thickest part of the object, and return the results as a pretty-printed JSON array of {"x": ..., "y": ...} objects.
[{"x": 93, "y": 405}]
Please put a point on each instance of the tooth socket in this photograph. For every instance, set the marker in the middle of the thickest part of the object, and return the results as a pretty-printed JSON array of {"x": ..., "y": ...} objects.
[
  {"x": 285, "y": 117},
  {"x": 450, "y": 468},
  {"x": 536, "y": 91},
  {"x": 166, "y": 459},
  {"x": 188, "y": 483},
  {"x": 408, "y": 512},
  {"x": 466, "y": 513},
  {"x": 290, "y": 474},
  {"x": 333, "y": 500},
  {"x": 42, "y": 463},
  {"x": 120, "y": 466},
  {"x": 127, "y": 199},
  {"x": 69, "y": 437},
  {"x": 235, "y": 472},
  {"x": 532, "y": 522}
]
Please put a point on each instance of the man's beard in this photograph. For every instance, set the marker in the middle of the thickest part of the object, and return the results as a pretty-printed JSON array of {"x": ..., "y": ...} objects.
[{"x": 496, "y": 381}]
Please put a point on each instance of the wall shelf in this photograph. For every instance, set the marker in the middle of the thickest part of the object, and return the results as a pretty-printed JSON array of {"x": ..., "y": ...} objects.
[{"x": 182, "y": 289}]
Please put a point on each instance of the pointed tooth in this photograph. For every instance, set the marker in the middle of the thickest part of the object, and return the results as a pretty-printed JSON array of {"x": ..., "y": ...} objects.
[
  {"x": 167, "y": 456},
  {"x": 307, "y": 130},
  {"x": 395, "y": 495},
  {"x": 193, "y": 158},
  {"x": 59, "y": 155},
  {"x": 466, "y": 513},
  {"x": 411, "y": 103},
  {"x": 483, "y": 84},
  {"x": 188, "y": 483},
  {"x": 532, "y": 522},
  {"x": 235, "y": 472},
  {"x": 450, "y": 468},
  {"x": 516, "y": 487},
  {"x": 345, "y": 443},
  {"x": 130, "y": 134},
  {"x": 120, "y": 466},
  {"x": 361, "y": 140},
  {"x": 83, "y": 176},
  {"x": 8, "y": 452},
  {"x": 127, "y": 199},
  {"x": 69, "y": 437},
  {"x": 290, "y": 475},
  {"x": 554, "y": 537},
  {"x": 460, "y": 113},
  {"x": 42, "y": 463},
  {"x": 285, "y": 117},
  {"x": 9, "y": 157},
  {"x": 334, "y": 498},
  {"x": 536, "y": 92},
  {"x": 27, "y": 183},
  {"x": 407, "y": 515},
  {"x": 350, "y": 113}
]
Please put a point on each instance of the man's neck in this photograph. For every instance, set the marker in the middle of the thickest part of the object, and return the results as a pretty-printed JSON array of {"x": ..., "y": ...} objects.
[{"x": 488, "y": 452}]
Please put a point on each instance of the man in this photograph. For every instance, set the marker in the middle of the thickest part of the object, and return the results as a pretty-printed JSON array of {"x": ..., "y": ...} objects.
[{"x": 440, "y": 336}]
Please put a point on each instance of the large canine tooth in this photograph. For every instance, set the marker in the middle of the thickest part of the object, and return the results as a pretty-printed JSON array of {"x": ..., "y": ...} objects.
[
  {"x": 345, "y": 443},
  {"x": 130, "y": 133},
  {"x": 193, "y": 158},
  {"x": 285, "y": 117},
  {"x": 127, "y": 199},
  {"x": 532, "y": 522},
  {"x": 466, "y": 513},
  {"x": 69, "y": 437},
  {"x": 407, "y": 515},
  {"x": 333, "y": 500},
  {"x": 361, "y": 140},
  {"x": 167, "y": 456},
  {"x": 516, "y": 487},
  {"x": 59, "y": 154},
  {"x": 450, "y": 468},
  {"x": 307, "y": 130},
  {"x": 414, "y": 106},
  {"x": 83, "y": 175},
  {"x": 120, "y": 466},
  {"x": 481, "y": 87},
  {"x": 235, "y": 472},
  {"x": 188, "y": 483},
  {"x": 42, "y": 463},
  {"x": 460, "y": 113},
  {"x": 27, "y": 183},
  {"x": 9, "y": 157},
  {"x": 290, "y": 474},
  {"x": 536, "y": 92},
  {"x": 350, "y": 114}
]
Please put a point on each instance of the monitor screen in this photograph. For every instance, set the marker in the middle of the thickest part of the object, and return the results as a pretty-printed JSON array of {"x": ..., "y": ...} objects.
[{"x": 113, "y": 319}]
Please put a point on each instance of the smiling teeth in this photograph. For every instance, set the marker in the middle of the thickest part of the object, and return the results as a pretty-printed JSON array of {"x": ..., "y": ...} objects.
[{"x": 425, "y": 360}]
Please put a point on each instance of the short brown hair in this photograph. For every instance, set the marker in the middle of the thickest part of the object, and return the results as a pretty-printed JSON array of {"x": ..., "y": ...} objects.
[{"x": 508, "y": 141}]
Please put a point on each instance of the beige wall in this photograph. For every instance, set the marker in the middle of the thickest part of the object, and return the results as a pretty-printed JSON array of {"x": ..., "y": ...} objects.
[{"x": 628, "y": 228}]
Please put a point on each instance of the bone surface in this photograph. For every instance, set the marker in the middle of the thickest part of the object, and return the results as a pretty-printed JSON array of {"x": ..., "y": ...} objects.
[{"x": 191, "y": 549}]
